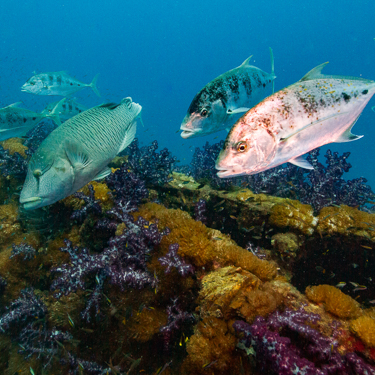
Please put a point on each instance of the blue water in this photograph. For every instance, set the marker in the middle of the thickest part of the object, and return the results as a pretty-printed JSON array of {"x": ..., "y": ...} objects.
[{"x": 162, "y": 52}]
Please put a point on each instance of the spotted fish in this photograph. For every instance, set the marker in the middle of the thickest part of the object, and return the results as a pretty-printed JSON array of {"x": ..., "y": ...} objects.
[
  {"x": 56, "y": 83},
  {"x": 78, "y": 152},
  {"x": 222, "y": 101},
  {"x": 16, "y": 122},
  {"x": 317, "y": 110},
  {"x": 66, "y": 108}
]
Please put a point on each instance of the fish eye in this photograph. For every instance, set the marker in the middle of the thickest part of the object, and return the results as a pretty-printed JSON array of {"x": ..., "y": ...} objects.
[
  {"x": 241, "y": 146},
  {"x": 204, "y": 112},
  {"x": 32, "y": 83},
  {"x": 37, "y": 172}
]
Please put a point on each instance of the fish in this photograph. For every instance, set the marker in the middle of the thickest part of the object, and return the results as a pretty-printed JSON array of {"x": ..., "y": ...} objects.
[
  {"x": 78, "y": 152},
  {"x": 341, "y": 284},
  {"x": 220, "y": 103},
  {"x": 317, "y": 110},
  {"x": 17, "y": 122},
  {"x": 56, "y": 83},
  {"x": 66, "y": 108}
]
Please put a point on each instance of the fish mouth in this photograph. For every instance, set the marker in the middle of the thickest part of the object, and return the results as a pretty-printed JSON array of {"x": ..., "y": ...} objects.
[
  {"x": 30, "y": 203},
  {"x": 229, "y": 171},
  {"x": 187, "y": 133}
]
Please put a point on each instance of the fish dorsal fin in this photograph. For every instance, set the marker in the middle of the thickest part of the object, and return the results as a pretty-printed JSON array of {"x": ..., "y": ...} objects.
[
  {"x": 129, "y": 136},
  {"x": 245, "y": 64},
  {"x": 348, "y": 136},
  {"x": 314, "y": 73},
  {"x": 128, "y": 101},
  {"x": 109, "y": 105},
  {"x": 14, "y": 105},
  {"x": 312, "y": 124},
  {"x": 77, "y": 158},
  {"x": 103, "y": 173},
  {"x": 299, "y": 161}
]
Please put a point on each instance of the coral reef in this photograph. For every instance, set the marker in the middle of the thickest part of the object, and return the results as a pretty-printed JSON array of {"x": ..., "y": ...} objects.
[{"x": 334, "y": 300}]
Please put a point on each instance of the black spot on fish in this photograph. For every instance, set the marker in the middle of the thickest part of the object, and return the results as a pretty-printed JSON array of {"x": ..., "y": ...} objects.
[
  {"x": 50, "y": 78},
  {"x": 364, "y": 92},
  {"x": 79, "y": 111},
  {"x": 34, "y": 118},
  {"x": 64, "y": 106},
  {"x": 79, "y": 85},
  {"x": 24, "y": 120},
  {"x": 71, "y": 84},
  {"x": 264, "y": 85},
  {"x": 346, "y": 97},
  {"x": 70, "y": 107},
  {"x": 59, "y": 80}
]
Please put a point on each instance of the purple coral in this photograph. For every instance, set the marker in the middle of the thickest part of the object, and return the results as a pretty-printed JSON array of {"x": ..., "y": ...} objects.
[
  {"x": 173, "y": 260},
  {"x": 12, "y": 165},
  {"x": 176, "y": 317},
  {"x": 286, "y": 344},
  {"x": 92, "y": 205},
  {"x": 200, "y": 211},
  {"x": 28, "y": 305},
  {"x": 124, "y": 261},
  {"x": 152, "y": 167},
  {"x": 24, "y": 249}
]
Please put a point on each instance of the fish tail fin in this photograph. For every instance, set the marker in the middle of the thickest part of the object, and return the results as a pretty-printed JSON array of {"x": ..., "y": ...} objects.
[
  {"x": 272, "y": 70},
  {"x": 93, "y": 85},
  {"x": 54, "y": 115}
]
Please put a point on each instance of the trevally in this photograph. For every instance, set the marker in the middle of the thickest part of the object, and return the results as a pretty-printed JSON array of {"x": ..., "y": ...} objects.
[
  {"x": 56, "y": 83},
  {"x": 222, "y": 101},
  {"x": 66, "y": 108},
  {"x": 78, "y": 152},
  {"x": 317, "y": 110},
  {"x": 16, "y": 122}
]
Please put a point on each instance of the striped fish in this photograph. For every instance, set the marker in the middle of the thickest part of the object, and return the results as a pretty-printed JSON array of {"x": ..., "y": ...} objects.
[
  {"x": 78, "y": 152},
  {"x": 16, "y": 122},
  {"x": 222, "y": 101},
  {"x": 56, "y": 83},
  {"x": 66, "y": 108}
]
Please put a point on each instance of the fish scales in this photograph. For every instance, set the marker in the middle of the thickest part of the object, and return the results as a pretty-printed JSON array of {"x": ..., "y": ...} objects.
[
  {"x": 222, "y": 101},
  {"x": 315, "y": 111}
]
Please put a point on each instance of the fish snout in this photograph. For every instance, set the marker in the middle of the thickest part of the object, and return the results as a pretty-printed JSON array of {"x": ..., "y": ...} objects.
[{"x": 31, "y": 203}]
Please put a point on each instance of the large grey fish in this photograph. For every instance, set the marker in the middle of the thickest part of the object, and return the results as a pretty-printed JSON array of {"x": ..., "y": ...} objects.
[
  {"x": 56, "y": 83},
  {"x": 79, "y": 151},
  {"x": 317, "y": 110},
  {"x": 66, "y": 108},
  {"x": 222, "y": 101},
  {"x": 16, "y": 122}
]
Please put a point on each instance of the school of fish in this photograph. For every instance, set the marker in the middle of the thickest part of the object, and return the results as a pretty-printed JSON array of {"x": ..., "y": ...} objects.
[{"x": 263, "y": 131}]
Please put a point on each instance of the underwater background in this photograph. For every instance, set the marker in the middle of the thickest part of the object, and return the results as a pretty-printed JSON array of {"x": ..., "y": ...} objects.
[{"x": 162, "y": 268}]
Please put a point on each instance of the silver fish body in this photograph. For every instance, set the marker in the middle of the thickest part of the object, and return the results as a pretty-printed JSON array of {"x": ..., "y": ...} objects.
[
  {"x": 16, "y": 122},
  {"x": 222, "y": 101},
  {"x": 315, "y": 111},
  {"x": 56, "y": 83},
  {"x": 78, "y": 151},
  {"x": 66, "y": 108}
]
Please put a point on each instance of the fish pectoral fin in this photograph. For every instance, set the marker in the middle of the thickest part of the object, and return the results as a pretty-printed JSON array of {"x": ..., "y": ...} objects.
[
  {"x": 301, "y": 162},
  {"x": 348, "y": 136},
  {"x": 78, "y": 159},
  {"x": 103, "y": 173},
  {"x": 237, "y": 110},
  {"x": 129, "y": 136},
  {"x": 312, "y": 124}
]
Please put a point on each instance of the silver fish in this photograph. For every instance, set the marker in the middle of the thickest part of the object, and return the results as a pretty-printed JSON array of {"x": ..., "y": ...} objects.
[
  {"x": 66, "y": 108},
  {"x": 222, "y": 101},
  {"x": 16, "y": 122},
  {"x": 317, "y": 110},
  {"x": 56, "y": 83},
  {"x": 79, "y": 151}
]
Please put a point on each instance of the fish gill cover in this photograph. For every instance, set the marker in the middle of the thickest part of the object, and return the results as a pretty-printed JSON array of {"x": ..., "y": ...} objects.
[{"x": 159, "y": 266}]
